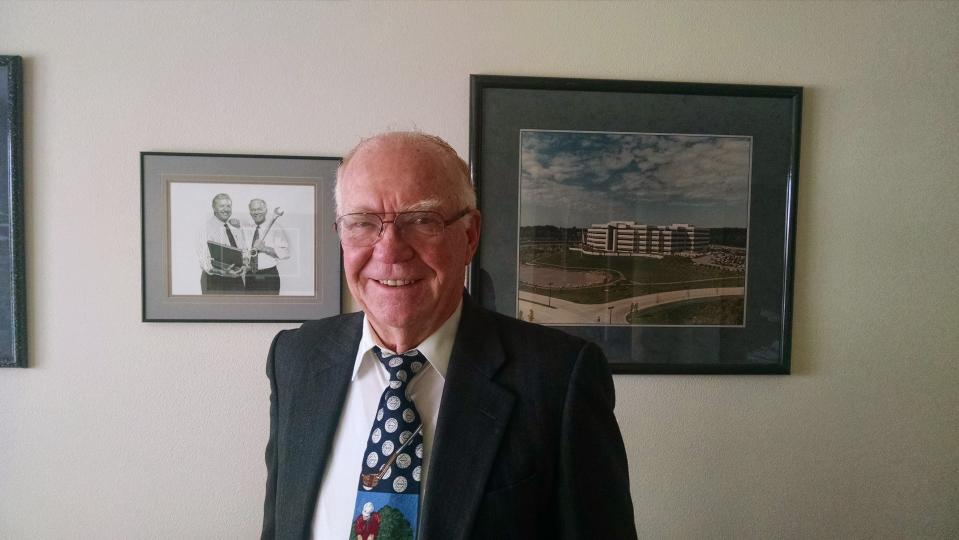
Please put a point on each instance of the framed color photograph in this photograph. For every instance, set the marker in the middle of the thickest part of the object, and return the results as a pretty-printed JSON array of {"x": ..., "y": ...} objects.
[
  {"x": 656, "y": 219},
  {"x": 238, "y": 237},
  {"x": 13, "y": 316}
]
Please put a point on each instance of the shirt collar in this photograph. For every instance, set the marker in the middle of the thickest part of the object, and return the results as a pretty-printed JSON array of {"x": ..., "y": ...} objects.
[{"x": 437, "y": 347}]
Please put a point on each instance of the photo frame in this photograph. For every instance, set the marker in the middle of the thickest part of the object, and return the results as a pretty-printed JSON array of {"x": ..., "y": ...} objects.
[
  {"x": 656, "y": 219},
  {"x": 229, "y": 237},
  {"x": 13, "y": 313}
]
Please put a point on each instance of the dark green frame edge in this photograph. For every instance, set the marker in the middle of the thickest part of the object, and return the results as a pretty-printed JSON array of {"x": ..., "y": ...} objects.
[{"x": 14, "y": 177}]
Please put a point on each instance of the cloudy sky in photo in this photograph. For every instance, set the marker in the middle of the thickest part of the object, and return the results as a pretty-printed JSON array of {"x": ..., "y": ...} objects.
[{"x": 570, "y": 178}]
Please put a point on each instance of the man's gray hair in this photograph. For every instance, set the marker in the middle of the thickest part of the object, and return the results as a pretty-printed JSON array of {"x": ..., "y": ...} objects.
[
  {"x": 219, "y": 196},
  {"x": 463, "y": 193}
]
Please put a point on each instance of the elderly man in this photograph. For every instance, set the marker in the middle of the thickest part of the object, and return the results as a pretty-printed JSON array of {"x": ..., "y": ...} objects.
[
  {"x": 218, "y": 276},
  {"x": 269, "y": 244},
  {"x": 452, "y": 421}
]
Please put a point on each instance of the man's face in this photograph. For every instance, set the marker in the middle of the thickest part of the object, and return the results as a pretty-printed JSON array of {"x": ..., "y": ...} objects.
[
  {"x": 258, "y": 212},
  {"x": 407, "y": 289},
  {"x": 223, "y": 209}
]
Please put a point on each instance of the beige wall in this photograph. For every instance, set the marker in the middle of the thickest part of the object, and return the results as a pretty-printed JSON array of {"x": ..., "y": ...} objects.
[{"x": 122, "y": 429}]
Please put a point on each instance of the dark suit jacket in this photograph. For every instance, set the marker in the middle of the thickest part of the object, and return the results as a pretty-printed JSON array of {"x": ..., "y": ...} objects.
[{"x": 526, "y": 444}]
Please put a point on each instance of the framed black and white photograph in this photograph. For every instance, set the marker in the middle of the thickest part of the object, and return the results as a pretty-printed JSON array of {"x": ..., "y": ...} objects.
[
  {"x": 238, "y": 237},
  {"x": 13, "y": 316},
  {"x": 656, "y": 219}
]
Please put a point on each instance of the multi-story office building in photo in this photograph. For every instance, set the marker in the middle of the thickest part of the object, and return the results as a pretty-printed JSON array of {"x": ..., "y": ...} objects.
[{"x": 631, "y": 238}]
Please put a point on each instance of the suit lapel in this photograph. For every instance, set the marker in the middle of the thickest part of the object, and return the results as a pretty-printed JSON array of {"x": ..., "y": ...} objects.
[
  {"x": 315, "y": 407},
  {"x": 473, "y": 415}
]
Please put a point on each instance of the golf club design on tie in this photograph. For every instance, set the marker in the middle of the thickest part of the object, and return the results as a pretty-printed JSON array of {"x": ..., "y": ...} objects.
[{"x": 388, "y": 494}]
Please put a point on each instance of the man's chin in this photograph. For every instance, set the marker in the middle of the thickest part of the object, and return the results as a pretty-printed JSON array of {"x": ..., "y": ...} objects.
[{"x": 409, "y": 318}]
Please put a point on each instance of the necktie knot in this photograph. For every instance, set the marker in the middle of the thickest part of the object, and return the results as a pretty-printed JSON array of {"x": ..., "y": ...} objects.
[{"x": 401, "y": 367}]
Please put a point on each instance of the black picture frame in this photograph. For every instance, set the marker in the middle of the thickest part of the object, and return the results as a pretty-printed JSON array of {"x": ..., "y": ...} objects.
[
  {"x": 179, "y": 197},
  {"x": 13, "y": 313},
  {"x": 508, "y": 110}
]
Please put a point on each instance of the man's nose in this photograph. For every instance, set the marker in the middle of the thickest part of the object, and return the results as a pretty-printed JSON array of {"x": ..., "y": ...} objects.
[{"x": 392, "y": 247}]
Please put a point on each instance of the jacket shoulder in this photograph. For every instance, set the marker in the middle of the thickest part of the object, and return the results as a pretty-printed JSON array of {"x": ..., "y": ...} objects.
[
  {"x": 531, "y": 347},
  {"x": 340, "y": 332}
]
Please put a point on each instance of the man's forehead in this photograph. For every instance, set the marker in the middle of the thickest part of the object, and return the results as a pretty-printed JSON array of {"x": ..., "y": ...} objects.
[
  {"x": 396, "y": 175},
  {"x": 422, "y": 205},
  {"x": 399, "y": 190}
]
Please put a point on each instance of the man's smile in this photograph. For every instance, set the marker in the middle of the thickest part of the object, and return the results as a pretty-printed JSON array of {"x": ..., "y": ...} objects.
[{"x": 396, "y": 282}]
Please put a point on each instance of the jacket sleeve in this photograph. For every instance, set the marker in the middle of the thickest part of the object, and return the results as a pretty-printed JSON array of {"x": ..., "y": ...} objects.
[
  {"x": 269, "y": 503},
  {"x": 593, "y": 499}
]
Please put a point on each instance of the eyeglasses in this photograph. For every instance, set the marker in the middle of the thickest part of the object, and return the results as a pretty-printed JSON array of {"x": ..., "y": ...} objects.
[{"x": 364, "y": 229}]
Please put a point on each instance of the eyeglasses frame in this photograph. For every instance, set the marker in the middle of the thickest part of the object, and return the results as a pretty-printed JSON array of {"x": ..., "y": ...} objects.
[{"x": 446, "y": 222}]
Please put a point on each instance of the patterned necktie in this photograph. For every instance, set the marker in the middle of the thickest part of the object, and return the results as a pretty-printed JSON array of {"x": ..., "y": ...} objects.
[{"x": 388, "y": 496}]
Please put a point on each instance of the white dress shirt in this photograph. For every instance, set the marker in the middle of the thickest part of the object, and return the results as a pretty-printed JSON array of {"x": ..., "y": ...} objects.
[
  {"x": 213, "y": 230},
  {"x": 275, "y": 238},
  {"x": 334, "y": 504}
]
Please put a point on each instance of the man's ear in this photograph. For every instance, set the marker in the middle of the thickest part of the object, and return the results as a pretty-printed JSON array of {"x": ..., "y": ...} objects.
[{"x": 474, "y": 222}]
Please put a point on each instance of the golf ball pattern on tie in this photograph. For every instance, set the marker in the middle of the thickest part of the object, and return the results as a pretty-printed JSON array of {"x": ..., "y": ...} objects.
[{"x": 394, "y": 447}]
